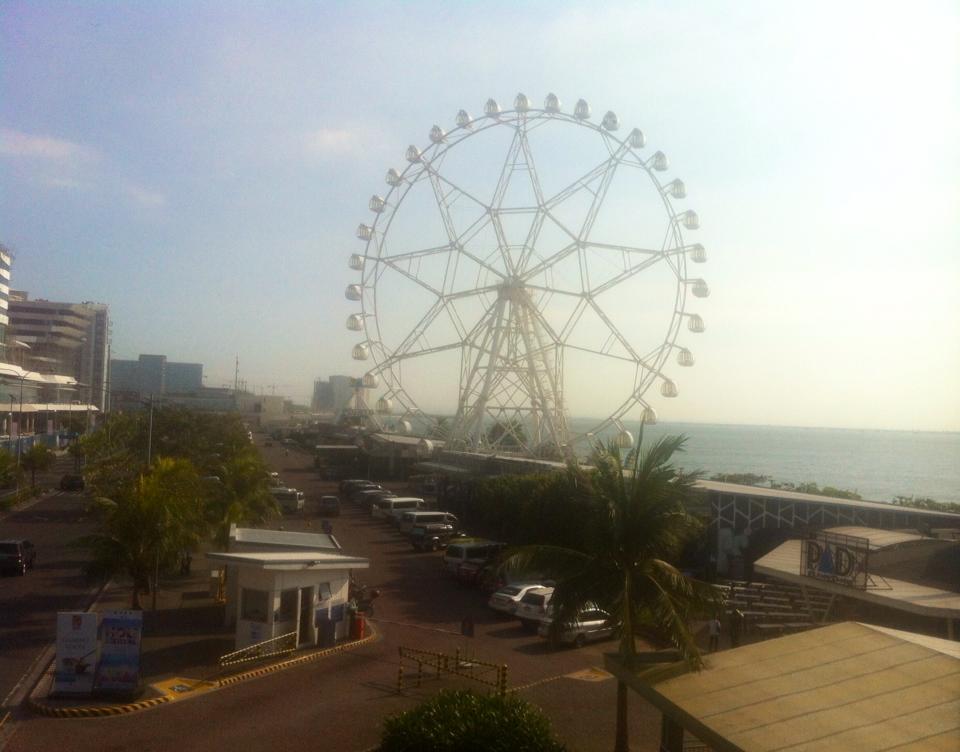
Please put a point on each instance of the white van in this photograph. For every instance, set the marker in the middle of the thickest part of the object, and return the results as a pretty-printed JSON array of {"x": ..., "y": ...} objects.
[
  {"x": 395, "y": 506},
  {"x": 474, "y": 551},
  {"x": 289, "y": 500},
  {"x": 409, "y": 519}
]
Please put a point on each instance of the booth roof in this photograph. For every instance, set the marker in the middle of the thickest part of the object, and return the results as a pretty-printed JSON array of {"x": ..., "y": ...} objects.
[
  {"x": 283, "y": 538},
  {"x": 291, "y": 560}
]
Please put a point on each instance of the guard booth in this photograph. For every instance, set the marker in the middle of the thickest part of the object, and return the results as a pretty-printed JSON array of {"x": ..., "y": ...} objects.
[
  {"x": 249, "y": 539},
  {"x": 283, "y": 592}
]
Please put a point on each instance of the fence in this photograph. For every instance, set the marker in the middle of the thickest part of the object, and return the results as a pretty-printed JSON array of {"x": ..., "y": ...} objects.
[
  {"x": 491, "y": 674},
  {"x": 286, "y": 643}
]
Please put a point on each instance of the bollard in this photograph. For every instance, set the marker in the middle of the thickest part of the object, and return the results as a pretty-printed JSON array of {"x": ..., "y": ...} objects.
[
  {"x": 502, "y": 689},
  {"x": 456, "y": 661},
  {"x": 419, "y": 673},
  {"x": 400, "y": 679}
]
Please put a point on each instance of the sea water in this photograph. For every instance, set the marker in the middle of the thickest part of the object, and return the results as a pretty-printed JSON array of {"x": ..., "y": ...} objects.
[{"x": 878, "y": 465}]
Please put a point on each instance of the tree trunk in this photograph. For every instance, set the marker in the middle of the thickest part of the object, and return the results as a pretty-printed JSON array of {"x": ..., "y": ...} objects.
[
  {"x": 622, "y": 743},
  {"x": 627, "y": 651}
]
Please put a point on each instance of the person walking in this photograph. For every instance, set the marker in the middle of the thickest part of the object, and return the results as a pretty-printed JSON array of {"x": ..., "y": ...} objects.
[
  {"x": 713, "y": 629},
  {"x": 736, "y": 627}
]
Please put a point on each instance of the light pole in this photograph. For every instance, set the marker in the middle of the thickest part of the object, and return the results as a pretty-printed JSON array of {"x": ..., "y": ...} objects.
[{"x": 22, "y": 378}]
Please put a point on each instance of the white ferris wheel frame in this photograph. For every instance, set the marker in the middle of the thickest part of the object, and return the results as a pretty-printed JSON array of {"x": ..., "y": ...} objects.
[{"x": 512, "y": 337}]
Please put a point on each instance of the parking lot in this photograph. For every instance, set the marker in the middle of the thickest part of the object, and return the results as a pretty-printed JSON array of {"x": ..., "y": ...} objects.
[{"x": 343, "y": 698}]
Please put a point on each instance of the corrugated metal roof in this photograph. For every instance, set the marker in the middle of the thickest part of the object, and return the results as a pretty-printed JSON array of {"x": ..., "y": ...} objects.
[
  {"x": 847, "y": 686},
  {"x": 774, "y": 493}
]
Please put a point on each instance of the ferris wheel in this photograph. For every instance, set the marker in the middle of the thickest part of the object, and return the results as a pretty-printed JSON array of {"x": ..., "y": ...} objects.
[{"x": 524, "y": 265}]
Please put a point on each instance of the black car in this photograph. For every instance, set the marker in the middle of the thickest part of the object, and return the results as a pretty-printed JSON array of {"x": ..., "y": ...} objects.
[
  {"x": 72, "y": 483},
  {"x": 17, "y": 556}
]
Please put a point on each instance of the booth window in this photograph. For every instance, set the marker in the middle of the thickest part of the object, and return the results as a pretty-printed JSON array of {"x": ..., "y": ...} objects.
[
  {"x": 288, "y": 605},
  {"x": 254, "y": 605},
  {"x": 323, "y": 591}
]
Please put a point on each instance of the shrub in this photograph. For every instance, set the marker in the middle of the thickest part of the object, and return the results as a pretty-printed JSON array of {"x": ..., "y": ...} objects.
[{"x": 461, "y": 721}]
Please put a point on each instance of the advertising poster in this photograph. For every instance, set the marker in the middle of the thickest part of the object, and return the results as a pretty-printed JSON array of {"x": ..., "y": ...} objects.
[
  {"x": 76, "y": 652},
  {"x": 119, "y": 667}
]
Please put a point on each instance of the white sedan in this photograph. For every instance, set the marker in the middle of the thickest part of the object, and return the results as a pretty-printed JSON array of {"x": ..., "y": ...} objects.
[{"x": 506, "y": 599}]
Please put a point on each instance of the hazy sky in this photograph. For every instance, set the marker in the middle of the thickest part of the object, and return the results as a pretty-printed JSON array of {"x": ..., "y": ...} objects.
[{"x": 202, "y": 167}]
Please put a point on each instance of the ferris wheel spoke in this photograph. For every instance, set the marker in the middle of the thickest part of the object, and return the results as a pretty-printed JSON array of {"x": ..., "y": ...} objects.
[
  {"x": 412, "y": 277},
  {"x": 417, "y": 332},
  {"x": 552, "y": 261},
  {"x": 410, "y": 255},
  {"x": 624, "y": 342},
  {"x": 626, "y": 274},
  {"x": 438, "y": 180}
]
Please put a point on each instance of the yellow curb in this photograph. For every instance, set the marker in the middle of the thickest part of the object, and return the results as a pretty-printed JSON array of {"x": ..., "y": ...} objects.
[
  {"x": 274, "y": 667},
  {"x": 196, "y": 687},
  {"x": 180, "y": 688},
  {"x": 94, "y": 711}
]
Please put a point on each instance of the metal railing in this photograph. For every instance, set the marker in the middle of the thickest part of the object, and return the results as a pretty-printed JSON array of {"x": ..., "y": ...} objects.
[
  {"x": 281, "y": 645},
  {"x": 491, "y": 674}
]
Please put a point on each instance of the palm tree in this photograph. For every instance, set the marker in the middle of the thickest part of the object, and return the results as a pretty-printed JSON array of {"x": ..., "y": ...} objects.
[
  {"x": 638, "y": 526},
  {"x": 147, "y": 525},
  {"x": 238, "y": 494},
  {"x": 38, "y": 457}
]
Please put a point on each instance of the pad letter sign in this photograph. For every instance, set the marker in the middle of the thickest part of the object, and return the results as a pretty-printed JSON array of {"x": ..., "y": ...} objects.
[{"x": 836, "y": 558}]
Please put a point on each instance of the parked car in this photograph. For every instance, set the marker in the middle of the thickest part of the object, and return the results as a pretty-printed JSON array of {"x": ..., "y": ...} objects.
[
  {"x": 290, "y": 500},
  {"x": 532, "y": 608},
  {"x": 433, "y": 536},
  {"x": 412, "y": 518},
  {"x": 71, "y": 482},
  {"x": 507, "y": 598},
  {"x": 470, "y": 551},
  {"x": 590, "y": 625},
  {"x": 329, "y": 506},
  {"x": 17, "y": 556}
]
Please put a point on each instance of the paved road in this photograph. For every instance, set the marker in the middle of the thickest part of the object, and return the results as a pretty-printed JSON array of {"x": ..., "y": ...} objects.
[
  {"x": 29, "y": 604},
  {"x": 338, "y": 702}
]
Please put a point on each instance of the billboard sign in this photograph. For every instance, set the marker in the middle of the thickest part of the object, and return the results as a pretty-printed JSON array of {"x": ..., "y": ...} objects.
[
  {"x": 76, "y": 652},
  {"x": 119, "y": 667},
  {"x": 842, "y": 559}
]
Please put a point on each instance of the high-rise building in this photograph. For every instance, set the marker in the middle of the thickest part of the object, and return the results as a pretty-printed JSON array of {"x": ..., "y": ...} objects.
[
  {"x": 41, "y": 399},
  {"x": 64, "y": 338},
  {"x": 332, "y": 395},
  {"x": 153, "y": 375}
]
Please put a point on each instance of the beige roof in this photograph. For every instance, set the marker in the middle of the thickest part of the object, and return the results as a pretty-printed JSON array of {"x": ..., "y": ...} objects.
[
  {"x": 879, "y": 538},
  {"x": 783, "y": 563},
  {"x": 844, "y": 687}
]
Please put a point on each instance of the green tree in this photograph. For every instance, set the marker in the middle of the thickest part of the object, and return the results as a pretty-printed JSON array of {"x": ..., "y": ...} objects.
[
  {"x": 638, "y": 525},
  {"x": 9, "y": 472},
  {"x": 461, "y": 721},
  {"x": 148, "y": 525},
  {"x": 39, "y": 457},
  {"x": 237, "y": 492}
]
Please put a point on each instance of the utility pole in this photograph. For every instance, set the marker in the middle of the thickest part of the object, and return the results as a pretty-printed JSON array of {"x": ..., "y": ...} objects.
[
  {"x": 150, "y": 435},
  {"x": 236, "y": 376}
]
